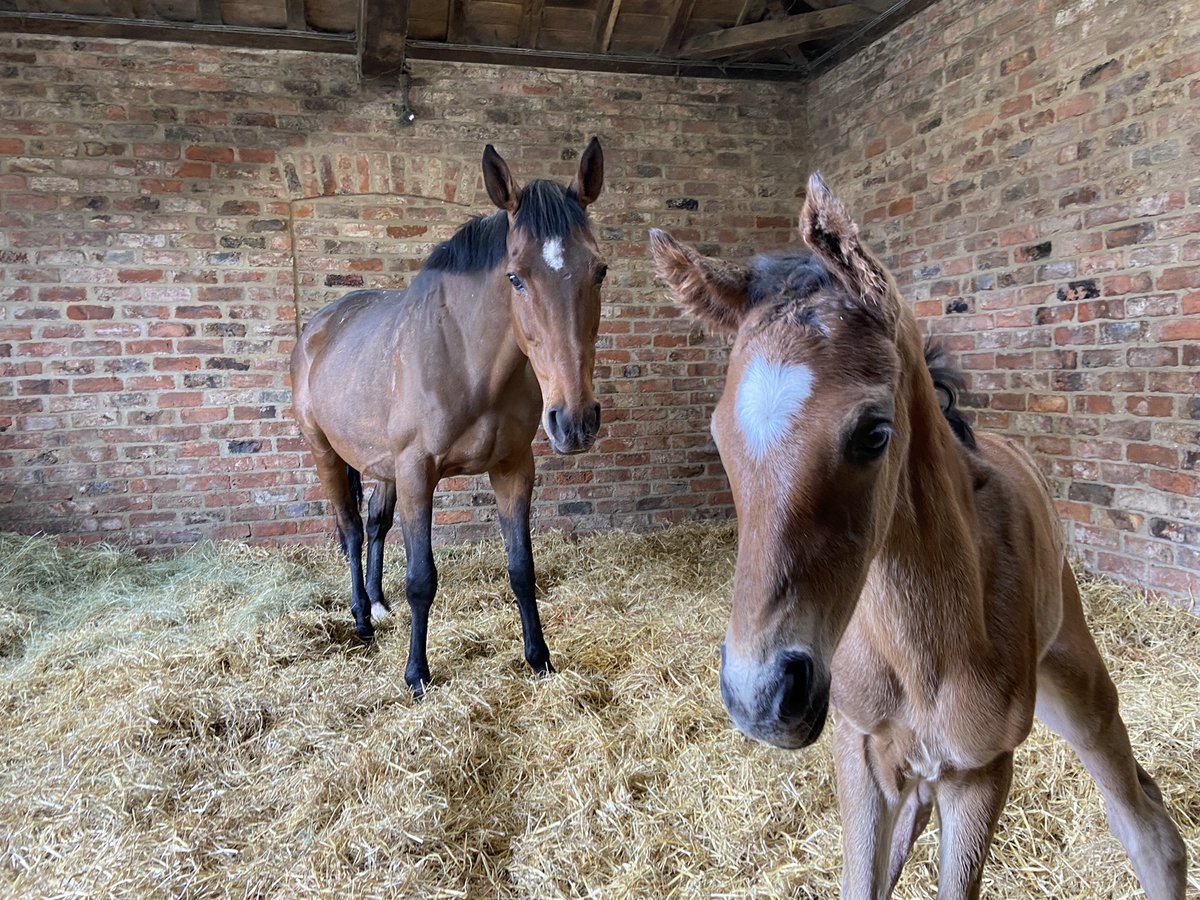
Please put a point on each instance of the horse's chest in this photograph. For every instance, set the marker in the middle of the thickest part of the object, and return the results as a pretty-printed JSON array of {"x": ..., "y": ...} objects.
[{"x": 957, "y": 723}]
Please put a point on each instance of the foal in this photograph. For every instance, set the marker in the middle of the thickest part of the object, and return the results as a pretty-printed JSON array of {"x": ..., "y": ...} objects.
[
  {"x": 451, "y": 376},
  {"x": 912, "y": 576}
]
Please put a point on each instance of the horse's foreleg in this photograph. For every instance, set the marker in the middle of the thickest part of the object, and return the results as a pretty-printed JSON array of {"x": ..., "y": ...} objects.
[
  {"x": 1077, "y": 700},
  {"x": 969, "y": 804},
  {"x": 869, "y": 812},
  {"x": 513, "y": 483},
  {"x": 415, "y": 498},
  {"x": 343, "y": 497},
  {"x": 379, "y": 521}
]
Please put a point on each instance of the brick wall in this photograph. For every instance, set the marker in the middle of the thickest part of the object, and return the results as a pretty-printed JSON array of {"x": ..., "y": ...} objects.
[
  {"x": 1032, "y": 173},
  {"x": 167, "y": 212}
]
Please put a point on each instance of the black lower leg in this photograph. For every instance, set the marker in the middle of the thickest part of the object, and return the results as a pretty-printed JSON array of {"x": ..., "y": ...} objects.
[
  {"x": 379, "y": 521},
  {"x": 420, "y": 586},
  {"x": 351, "y": 532},
  {"x": 524, "y": 587}
]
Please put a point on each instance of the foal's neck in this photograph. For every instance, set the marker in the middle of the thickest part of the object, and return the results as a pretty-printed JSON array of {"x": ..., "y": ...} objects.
[{"x": 928, "y": 573}]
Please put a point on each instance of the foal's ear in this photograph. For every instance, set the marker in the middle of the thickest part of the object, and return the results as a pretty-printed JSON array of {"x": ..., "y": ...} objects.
[
  {"x": 499, "y": 181},
  {"x": 827, "y": 228},
  {"x": 590, "y": 178},
  {"x": 714, "y": 291}
]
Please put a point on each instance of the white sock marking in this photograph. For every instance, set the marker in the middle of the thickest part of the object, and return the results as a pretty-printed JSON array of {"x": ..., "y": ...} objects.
[{"x": 770, "y": 395}]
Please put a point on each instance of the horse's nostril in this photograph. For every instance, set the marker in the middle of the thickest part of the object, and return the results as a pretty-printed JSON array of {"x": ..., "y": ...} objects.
[
  {"x": 554, "y": 423},
  {"x": 795, "y": 684},
  {"x": 595, "y": 417}
]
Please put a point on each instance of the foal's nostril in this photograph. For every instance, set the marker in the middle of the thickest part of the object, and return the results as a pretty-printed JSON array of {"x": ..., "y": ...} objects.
[{"x": 794, "y": 700}]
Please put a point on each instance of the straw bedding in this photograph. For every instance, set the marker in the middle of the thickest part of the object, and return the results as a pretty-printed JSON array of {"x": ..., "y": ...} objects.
[{"x": 208, "y": 726}]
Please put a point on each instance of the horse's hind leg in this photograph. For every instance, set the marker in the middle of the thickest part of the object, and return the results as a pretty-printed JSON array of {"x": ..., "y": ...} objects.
[
  {"x": 414, "y": 485},
  {"x": 513, "y": 483},
  {"x": 379, "y": 521},
  {"x": 1077, "y": 699},
  {"x": 344, "y": 498}
]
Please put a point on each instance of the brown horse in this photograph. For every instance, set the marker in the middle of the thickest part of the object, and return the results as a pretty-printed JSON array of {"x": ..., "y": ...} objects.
[
  {"x": 451, "y": 376},
  {"x": 892, "y": 565}
]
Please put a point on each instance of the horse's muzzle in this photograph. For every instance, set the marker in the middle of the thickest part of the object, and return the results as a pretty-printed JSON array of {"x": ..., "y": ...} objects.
[
  {"x": 784, "y": 703},
  {"x": 572, "y": 431}
]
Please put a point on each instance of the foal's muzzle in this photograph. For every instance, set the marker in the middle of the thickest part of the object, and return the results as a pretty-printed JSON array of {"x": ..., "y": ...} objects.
[
  {"x": 572, "y": 431},
  {"x": 784, "y": 702}
]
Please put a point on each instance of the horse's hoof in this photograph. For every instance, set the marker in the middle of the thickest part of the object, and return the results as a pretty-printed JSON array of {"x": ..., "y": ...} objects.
[
  {"x": 417, "y": 683},
  {"x": 366, "y": 635},
  {"x": 542, "y": 667}
]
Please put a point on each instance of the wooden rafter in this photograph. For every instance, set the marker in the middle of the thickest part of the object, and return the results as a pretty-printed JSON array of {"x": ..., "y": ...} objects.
[
  {"x": 678, "y": 13},
  {"x": 606, "y": 21},
  {"x": 773, "y": 33},
  {"x": 296, "y": 18},
  {"x": 382, "y": 37},
  {"x": 531, "y": 23},
  {"x": 456, "y": 21}
]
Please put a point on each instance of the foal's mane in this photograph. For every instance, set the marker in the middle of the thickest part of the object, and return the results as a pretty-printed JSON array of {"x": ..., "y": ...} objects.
[
  {"x": 548, "y": 210},
  {"x": 948, "y": 381}
]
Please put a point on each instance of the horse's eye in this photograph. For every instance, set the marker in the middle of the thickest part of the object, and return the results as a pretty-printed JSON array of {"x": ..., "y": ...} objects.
[
  {"x": 869, "y": 441},
  {"x": 600, "y": 274},
  {"x": 515, "y": 280}
]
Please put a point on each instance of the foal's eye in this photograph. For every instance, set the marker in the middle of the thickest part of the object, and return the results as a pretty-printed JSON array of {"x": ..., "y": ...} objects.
[
  {"x": 869, "y": 441},
  {"x": 600, "y": 274},
  {"x": 515, "y": 280}
]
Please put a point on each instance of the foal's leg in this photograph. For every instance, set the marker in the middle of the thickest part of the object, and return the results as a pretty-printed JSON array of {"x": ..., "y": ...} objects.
[
  {"x": 512, "y": 481},
  {"x": 336, "y": 481},
  {"x": 1077, "y": 699},
  {"x": 379, "y": 521},
  {"x": 969, "y": 804},
  {"x": 869, "y": 814},
  {"x": 414, "y": 485}
]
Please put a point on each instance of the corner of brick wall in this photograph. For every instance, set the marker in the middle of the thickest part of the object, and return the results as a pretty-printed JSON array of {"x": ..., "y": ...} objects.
[{"x": 1031, "y": 173}]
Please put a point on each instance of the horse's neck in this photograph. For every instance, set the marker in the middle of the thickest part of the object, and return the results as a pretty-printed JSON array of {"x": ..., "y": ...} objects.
[
  {"x": 926, "y": 583},
  {"x": 477, "y": 305}
]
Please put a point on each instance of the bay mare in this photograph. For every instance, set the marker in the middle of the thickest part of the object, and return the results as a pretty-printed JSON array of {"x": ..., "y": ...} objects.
[{"x": 452, "y": 376}]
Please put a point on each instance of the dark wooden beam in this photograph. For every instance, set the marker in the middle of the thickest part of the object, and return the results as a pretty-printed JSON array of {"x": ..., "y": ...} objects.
[
  {"x": 678, "y": 13},
  {"x": 777, "y": 10},
  {"x": 208, "y": 12},
  {"x": 456, "y": 21},
  {"x": 859, "y": 38},
  {"x": 296, "y": 18},
  {"x": 531, "y": 23},
  {"x": 773, "y": 33},
  {"x": 382, "y": 34},
  {"x": 598, "y": 62},
  {"x": 606, "y": 21},
  {"x": 183, "y": 32}
]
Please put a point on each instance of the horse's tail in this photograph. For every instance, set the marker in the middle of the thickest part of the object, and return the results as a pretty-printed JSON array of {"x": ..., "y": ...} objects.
[
  {"x": 948, "y": 381},
  {"x": 354, "y": 482}
]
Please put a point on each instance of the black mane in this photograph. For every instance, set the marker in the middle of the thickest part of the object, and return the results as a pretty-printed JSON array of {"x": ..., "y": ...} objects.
[
  {"x": 788, "y": 275},
  {"x": 548, "y": 210},
  {"x": 948, "y": 381}
]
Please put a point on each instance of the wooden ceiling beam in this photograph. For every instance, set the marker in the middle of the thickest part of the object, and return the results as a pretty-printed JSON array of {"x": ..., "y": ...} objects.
[
  {"x": 456, "y": 21},
  {"x": 679, "y": 13},
  {"x": 606, "y": 21},
  {"x": 183, "y": 32},
  {"x": 382, "y": 37},
  {"x": 531, "y": 23},
  {"x": 773, "y": 33},
  {"x": 297, "y": 19}
]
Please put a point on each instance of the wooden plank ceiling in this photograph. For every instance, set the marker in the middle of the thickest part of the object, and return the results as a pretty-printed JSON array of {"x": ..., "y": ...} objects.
[{"x": 767, "y": 39}]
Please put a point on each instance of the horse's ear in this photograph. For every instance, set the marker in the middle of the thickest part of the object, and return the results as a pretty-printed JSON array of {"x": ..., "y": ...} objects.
[
  {"x": 590, "y": 178},
  {"x": 499, "y": 181},
  {"x": 714, "y": 291},
  {"x": 827, "y": 228}
]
